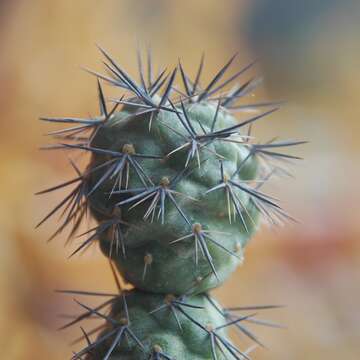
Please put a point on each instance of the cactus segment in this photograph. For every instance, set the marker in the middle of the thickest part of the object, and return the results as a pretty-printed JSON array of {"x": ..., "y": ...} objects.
[
  {"x": 161, "y": 196},
  {"x": 141, "y": 325}
]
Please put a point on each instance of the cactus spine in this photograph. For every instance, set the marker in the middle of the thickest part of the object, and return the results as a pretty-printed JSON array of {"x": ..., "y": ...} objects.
[{"x": 174, "y": 183}]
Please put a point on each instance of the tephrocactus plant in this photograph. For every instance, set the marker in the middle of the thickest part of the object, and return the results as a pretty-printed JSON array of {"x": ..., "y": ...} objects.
[{"x": 174, "y": 183}]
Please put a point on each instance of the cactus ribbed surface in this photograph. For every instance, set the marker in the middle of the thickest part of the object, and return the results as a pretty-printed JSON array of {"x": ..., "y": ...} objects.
[{"x": 174, "y": 182}]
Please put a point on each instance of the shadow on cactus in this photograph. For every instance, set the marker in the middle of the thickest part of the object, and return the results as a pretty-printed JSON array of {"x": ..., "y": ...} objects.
[{"x": 174, "y": 182}]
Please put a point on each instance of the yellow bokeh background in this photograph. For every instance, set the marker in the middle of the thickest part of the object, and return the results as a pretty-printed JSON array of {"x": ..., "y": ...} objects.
[{"x": 308, "y": 53}]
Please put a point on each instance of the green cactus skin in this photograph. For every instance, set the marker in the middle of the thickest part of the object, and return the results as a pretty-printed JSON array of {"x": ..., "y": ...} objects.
[{"x": 174, "y": 184}]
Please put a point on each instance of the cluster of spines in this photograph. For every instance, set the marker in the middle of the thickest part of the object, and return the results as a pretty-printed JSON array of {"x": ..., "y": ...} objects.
[
  {"x": 74, "y": 206},
  {"x": 75, "y": 203}
]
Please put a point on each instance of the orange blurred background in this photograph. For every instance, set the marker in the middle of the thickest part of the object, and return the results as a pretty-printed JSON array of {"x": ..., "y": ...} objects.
[{"x": 309, "y": 54}]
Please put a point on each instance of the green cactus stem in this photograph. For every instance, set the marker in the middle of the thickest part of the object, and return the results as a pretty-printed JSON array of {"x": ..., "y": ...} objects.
[{"x": 174, "y": 181}]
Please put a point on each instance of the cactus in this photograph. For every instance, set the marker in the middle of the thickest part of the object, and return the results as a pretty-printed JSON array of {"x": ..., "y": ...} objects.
[{"x": 174, "y": 182}]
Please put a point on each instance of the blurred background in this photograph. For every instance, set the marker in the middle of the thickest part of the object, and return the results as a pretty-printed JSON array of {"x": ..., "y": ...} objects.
[{"x": 309, "y": 55}]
